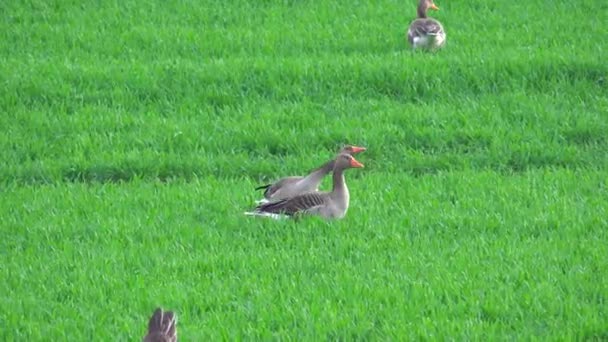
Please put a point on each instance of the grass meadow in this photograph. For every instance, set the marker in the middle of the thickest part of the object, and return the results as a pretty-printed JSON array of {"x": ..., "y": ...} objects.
[{"x": 133, "y": 134}]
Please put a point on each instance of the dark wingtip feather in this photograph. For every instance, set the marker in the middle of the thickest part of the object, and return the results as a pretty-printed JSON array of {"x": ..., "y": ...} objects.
[
  {"x": 263, "y": 187},
  {"x": 269, "y": 205},
  {"x": 272, "y": 207}
]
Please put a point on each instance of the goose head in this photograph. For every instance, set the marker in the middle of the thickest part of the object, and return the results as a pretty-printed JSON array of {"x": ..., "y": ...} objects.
[
  {"x": 351, "y": 149},
  {"x": 424, "y": 6},
  {"x": 346, "y": 161}
]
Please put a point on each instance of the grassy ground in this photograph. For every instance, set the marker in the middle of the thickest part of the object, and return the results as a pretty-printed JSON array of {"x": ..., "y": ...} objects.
[{"x": 133, "y": 134}]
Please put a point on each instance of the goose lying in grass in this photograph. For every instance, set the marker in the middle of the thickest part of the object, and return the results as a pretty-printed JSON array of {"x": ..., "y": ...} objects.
[
  {"x": 424, "y": 32},
  {"x": 330, "y": 205},
  {"x": 162, "y": 327},
  {"x": 291, "y": 186}
]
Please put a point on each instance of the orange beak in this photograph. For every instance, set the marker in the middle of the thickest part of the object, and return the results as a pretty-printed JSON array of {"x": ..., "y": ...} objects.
[
  {"x": 355, "y": 163},
  {"x": 357, "y": 149},
  {"x": 433, "y": 6}
]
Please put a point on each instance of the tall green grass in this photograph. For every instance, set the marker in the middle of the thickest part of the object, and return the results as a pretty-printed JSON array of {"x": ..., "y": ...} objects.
[{"x": 134, "y": 133}]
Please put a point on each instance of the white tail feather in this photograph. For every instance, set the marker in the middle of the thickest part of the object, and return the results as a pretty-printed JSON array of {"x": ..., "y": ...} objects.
[{"x": 271, "y": 215}]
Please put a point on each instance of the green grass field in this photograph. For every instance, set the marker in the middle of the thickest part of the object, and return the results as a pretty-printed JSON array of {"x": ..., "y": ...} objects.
[{"x": 133, "y": 134}]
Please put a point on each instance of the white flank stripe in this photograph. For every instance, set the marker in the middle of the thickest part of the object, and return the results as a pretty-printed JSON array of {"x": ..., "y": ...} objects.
[{"x": 271, "y": 215}]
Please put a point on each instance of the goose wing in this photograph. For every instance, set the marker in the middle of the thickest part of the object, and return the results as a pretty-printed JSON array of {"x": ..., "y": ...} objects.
[
  {"x": 271, "y": 189},
  {"x": 425, "y": 27},
  {"x": 297, "y": 204}
]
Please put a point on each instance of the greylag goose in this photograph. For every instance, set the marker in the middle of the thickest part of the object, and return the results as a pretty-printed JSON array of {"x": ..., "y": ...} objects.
[
  {"x": 424, "y": 32},
  {"x": 162, "y": 327},
  {"x": 295, "y": 185},
  {"x": 330, "y": 205}
]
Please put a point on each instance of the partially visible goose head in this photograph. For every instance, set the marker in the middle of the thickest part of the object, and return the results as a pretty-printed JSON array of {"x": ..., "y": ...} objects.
[
  {"x": 350, "y": 149},
  {"x": 346, "y": 161},
  {"x": 424, "y": 6},
  {"x": 162, "y": 327}
]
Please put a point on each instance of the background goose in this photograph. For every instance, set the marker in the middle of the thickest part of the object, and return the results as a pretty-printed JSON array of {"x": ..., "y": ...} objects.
[
  {"x": 162, "y": 327},
  {"x": 424, "y": 32},
  {"x": 331, "y": 205},
  {"x": 291, "y": 186}
]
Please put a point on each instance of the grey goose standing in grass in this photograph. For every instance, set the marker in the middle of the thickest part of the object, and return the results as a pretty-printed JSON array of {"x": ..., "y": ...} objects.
[
  {"x": 330, "y": 205},
  {"x": 291, "y": 186},
  {"x": 424, "y": 32},
  {"x": 162, "y": 327}
]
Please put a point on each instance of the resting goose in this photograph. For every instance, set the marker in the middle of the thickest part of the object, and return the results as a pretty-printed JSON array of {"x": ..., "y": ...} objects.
[
  {"x": 426, "y": 33},
  {"x": 330, "y": 205},
  {"x": 295, "y": 185},
  {"x": 162, "y": 327}
]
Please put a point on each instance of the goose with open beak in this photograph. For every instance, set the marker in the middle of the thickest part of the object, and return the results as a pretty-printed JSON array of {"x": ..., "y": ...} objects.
[
  {"x": 330, "y": 205},
  {"x": 291, "y": 186}
]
